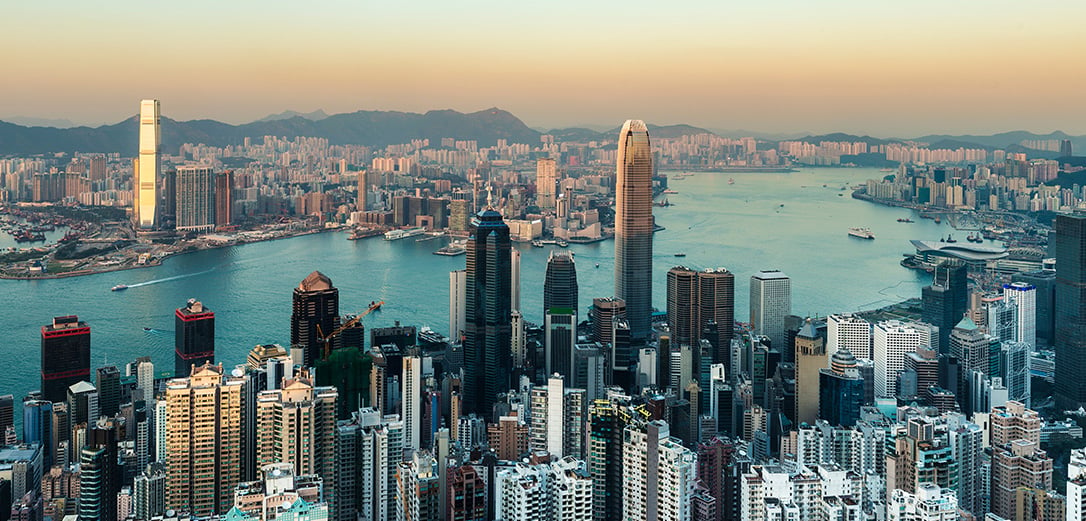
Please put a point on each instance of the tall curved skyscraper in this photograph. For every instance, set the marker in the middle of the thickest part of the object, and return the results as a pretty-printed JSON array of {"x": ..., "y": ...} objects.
[
  {"x": 633, "y": 226},
  {"x": 145, "y": 190}
]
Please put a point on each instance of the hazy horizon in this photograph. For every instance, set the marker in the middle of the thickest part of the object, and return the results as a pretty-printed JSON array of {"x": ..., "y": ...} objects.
[{"x": 784, "y": 67}]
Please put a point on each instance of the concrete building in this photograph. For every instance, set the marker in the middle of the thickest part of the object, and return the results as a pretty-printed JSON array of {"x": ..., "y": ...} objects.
[
  {"x": 849, "y": 331},
  {"x": 891, "y": 341},
  {"x": 659, "y": 474},
  {"x": 770, "y": 303}
]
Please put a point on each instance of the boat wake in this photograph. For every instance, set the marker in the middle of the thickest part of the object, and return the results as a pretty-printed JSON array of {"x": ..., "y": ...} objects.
[{"x": 168, "y": 279}]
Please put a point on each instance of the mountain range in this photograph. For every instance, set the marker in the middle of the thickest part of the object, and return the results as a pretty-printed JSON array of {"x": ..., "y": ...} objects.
[{"x": 381, "y": 128}]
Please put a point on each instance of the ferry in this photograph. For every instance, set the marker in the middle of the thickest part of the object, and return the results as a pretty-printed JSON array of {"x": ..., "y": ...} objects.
[
  {"x": 119, "y": 287},
  {"x": 453, "y": 249},
  {"x": 861, "y": 233},
  {"x": 680, "y": 254}
]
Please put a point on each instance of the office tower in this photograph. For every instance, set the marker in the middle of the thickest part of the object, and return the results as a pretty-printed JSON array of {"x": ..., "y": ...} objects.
[
  {"x": 716, "y": 303},
  {"x": 634, "y": 227},
  {"x": 548, "y": 426},
  {"x": 841, "y": 390},
  {"x": 1017, "y": 459},
  {"x": 930, "y": 503},
  {"x": 7, "y": 420},
  {"x": 195, "y": 199},
  {"x": 38, "y": 427},
  {"x": 545, "y": 183},
  {"x": 606, "y": 424},
  {"x": 589, "y": 371},
  {"x": 1015, "y": 366},
  {"x": 108, "y": 383},
  {"x": 457, "y": 304},
  {"x": 297, "y": 425},
  {"x": 682, "y": 305},
  {"x": 1045, "y": 282},
  {"x": 560, "y": 335},
  {"x": 976, "y": 352},
  {"x": 419, "y": 490},
  {"x": 1070, "y": 345},
  {"x": 1002, "y": 319},
  {"x": 770, "y": 303},
  {"x": 65, "y": 356},
  {"x": 369, "y": 449},
  {"x": 558, "y": 490},
  {"x": 145, "y": 185},
  {"x": 412, "y": 402},
  {"x": 519, "y": 341},
  {"x": 810, "y": 359},
  {"x": 194, "y": 337},
  {"x": 848, "y": 331},
  {"x": 560, "y": 284},
  {"x": 348, "y": 370},
  {"x": 145, "y": 378},
  {"x": 658, "y": 473},
  {"x": 99, "y": 480},
  {"x": 946, "y": 299},
  {"x": 892, "y": 340},
  {"x": 82, "y": 407},
  {"x": 224, "y": 198},
  {"x": 1024, "y": 297},
  {"x": 487, "y": 343},
  {"x": 514, "y": 279},
  {"x": 204, "y": 441},
  {"x": 315, "y": 315}
]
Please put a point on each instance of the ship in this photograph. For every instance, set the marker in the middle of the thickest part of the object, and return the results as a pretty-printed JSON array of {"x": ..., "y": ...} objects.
[
  {"x": 537, "y": 243},
  {"x": 861, "y": 233},
  {"x": 905, "y": 220},
  {"x": 393, "y": 235},
  {"x": 731, "y": 181},
  {"x": 680, "y": 254},
  {"x": 670, "y": 191},
  {"x": 119, "y": 287},
  {"x": 453, "y": 249}
]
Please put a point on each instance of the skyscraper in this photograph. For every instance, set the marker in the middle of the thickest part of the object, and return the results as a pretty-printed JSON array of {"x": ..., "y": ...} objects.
[
  {"x": 195, "y": 197},
  {"x": 696, "y": 298},
  {"x": 316, "y": 314},
  {"x": 204, "y": 443},
  {"x": 545, "y": 183},
  {"x": 145, "y": 187},
  {"x": 560, "y": 335},
  {"x": 634, "y": 226},
  {"x": 1024, "y": 297},
  {"x": 65, "y": 356},
  {"x": 488, "y": 361},
  {"x": 810, "y": 359},
  {"x": 848, "y": 331},
  {"x": 658, "y": 474},
  {"x": 108, "y": 382},
  {"x": 560, "y": 284},
  {"x": 224, "y": 198},
  {"x": 840, "y": 390},
  {"x": 514, "y": 279},
  {"x": 892, "y": 339},
  {"x": 946, "y": 299},
  {"x": 1070, "y": 310},
  {"x": 194, "y": 337},
  {"x": 770, "y": 303},
  {"x": 682, "y": 310},
  {"x": 457, "y": 304}
]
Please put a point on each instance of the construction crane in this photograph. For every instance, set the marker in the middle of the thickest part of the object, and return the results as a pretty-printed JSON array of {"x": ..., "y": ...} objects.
[{"x": 327, "y": 339}]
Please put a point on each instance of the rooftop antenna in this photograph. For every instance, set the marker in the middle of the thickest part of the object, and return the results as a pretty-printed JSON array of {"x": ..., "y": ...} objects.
[{"x": 490, "y": 196}]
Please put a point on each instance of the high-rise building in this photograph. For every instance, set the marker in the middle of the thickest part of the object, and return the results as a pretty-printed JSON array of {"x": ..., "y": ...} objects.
[
  {"x": 99, "y": 479},
  {"x": 682, "y": 305},
  {"x": 558, "y": 490},
  {"x": 946, "y": 299},
  {"x": 224, "y": 198},
  {"x": 65, "y": 356},
  {"x": 195, "y": 198},
  {"x": 848, "y": 331},
  {"x": 204, "y": 444},
  {"x": 810, "y": 359},
  {"x": 488, "y": 361},
  {"x": 559, "y": 337},
  {"x": 508, "y": 438},
  {"x": 604, "y": 310},
  {"x": 545, "y": 183},
  {"x": 419, "y": 488},
  {"x": 108, "y": 383},
  {"x": 1017, "y": 459},
  {"x": 716, "y": 303},
  {"x": 297, "y": 425},
  {"x": 467, "y": 493},
  {"x": 892, "y": 340},
  {"x": 770, "y": 303},
  {"x": 1070, "y": 343},
  {"x": 514, "y": 279},
  {"x": 634, "y": 226},
  {"x": 149, "y": 492},
  {"x": 360, "y": 192},
  {"x": 145, "y": 181},
  {"x": 194, "y": 337},
  {"x": 658, "y": 474},
  {"x": 1001, "y": 319},
  {"x": 1024, "y": 297},
  {"x": 1066, "y": 149},
  {"x": 315, "y": 315},
  {"x": 930, "y": 503},
  {"x": 1045, "y": 282},
  {"x": 369, "y": 449},
  {"x": 840, "y": 390},
  {"x": 560, "y": 284},
  {"x": 457, "y": 304},
  {"x": 7, "y": 420},
  {"x": 412, "y": 402}
]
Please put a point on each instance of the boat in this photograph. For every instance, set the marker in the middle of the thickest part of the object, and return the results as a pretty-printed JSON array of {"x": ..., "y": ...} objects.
[
  {"x": 376, "y": 306},
  {"x": 670, "y": 191},
  {"x": 537, "y": 243},
  {"x": 949, "y": 239},
  {"x": 393, "y": 235},
  {"x": 453, "y": 249},
  {"x": 562, "y": 243},
  {"x": 680, "y": 254},
  {"x": 119, "y": 287},
  {"x": 938, "y": 219},
  {"x": 905, "y": 220},
  {"x": 861, "y": 233},
  {"x": 147, "y": 329},
  {"x": 597, "y": 265},
  {"x": 731, "y": 181}
]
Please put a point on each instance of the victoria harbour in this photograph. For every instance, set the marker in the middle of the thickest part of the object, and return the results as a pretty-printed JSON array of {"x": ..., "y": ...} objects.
[{"x": 795, "y": 222}]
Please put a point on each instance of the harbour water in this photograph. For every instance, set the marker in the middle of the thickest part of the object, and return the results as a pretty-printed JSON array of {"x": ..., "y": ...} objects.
[{"x": 795, "y": 222}]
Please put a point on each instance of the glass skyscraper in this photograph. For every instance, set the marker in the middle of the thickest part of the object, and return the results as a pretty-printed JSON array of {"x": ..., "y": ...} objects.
[
  {"x": 634, "y": 226},
  {"x": 145, "y": 200},
  {"x": 1070, "y": 310},
  {"x": 488, "y": 358}
]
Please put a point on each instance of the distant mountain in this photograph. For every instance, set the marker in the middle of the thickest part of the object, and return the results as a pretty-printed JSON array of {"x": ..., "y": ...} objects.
[
  {"x": 316, "y": 115},
  {"x": 1004, "y": 139},
  {"x": 839, "y": 136},
  {"x": 373, "y": 128},
  {"x": 39, "y": 122},
  {"x": 576, "y": 135}
]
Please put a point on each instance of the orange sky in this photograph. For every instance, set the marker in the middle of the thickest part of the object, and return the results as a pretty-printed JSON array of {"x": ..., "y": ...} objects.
[{"x": 904, "y": 69}]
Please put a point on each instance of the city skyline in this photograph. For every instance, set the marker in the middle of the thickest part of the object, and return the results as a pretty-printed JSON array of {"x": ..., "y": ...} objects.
[{"x": 789, "y": 67}]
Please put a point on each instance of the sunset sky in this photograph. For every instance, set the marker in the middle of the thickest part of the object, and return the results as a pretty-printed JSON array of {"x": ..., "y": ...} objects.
[{"x": 883, "y": 68}]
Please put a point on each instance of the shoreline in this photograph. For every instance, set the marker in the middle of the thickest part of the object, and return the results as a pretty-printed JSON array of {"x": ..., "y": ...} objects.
[{"x": 157, "y": 262}]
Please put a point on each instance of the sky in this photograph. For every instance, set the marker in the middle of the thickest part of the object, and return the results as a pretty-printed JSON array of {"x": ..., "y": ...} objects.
[{"x": 898, "y": 69}]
